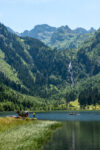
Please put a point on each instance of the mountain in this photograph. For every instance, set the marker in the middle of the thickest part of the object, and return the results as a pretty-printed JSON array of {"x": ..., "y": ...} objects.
[
  {"x": 89, "y": 55},
  {"x": 61, "y": 38},
  {"x": 29, "y": 67},
  {"x": 92, "y": 29},
  {"x": 33, "y": 74},
  {"x": 10, "y": 30},
  {"x": 81, "y": 31},
  {"x": 87, "y": 89},
  {"x": 41, "y": 32}
]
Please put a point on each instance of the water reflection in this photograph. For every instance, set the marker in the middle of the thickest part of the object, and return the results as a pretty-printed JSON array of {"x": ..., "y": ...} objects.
[{"x": 76, "y": 135}]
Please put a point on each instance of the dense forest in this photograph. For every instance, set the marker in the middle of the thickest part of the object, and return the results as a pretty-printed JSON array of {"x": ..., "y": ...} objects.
[{"x": 34, "y": 76}]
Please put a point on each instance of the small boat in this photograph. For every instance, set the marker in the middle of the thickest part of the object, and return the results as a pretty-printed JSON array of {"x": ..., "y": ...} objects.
[{"x": 72, "y": 113}]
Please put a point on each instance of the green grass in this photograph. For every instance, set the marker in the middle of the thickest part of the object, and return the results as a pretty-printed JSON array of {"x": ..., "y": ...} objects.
[{"x": 17, "y": 134}]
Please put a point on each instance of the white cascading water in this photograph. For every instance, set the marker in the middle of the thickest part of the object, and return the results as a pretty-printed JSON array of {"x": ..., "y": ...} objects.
[{"x": 70, "y": 70}]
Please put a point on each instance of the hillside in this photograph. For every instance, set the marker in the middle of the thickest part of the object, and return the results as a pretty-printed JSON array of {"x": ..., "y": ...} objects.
[
  {"x": 29, "y": 68},
  {"x": 87, "y": 89},
  {"x": 62, "y": 37}
]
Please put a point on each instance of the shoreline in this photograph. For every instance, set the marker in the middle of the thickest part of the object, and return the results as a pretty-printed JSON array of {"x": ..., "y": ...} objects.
[{"x": 53, "y": 111}]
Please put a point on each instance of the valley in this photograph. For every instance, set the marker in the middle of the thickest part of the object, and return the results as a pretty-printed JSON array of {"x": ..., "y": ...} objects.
[{"x": 33, "y": 75}]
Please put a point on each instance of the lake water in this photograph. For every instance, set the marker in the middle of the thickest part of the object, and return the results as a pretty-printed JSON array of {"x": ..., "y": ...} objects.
[
  {"x": 66, "y": 116},
  {"x": 78, "y": 132},
  {"x": 76, "y": 135}
]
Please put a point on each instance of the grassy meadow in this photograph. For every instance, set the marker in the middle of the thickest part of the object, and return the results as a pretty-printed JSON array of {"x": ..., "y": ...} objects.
[{"x": 28, "y": 134}]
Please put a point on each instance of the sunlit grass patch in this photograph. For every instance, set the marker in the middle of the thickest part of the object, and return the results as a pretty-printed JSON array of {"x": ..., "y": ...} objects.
[
  {"x": 25, "y": 134},
  {"x": 75, "y": 104},
  {"x": 10, "y": 122}
]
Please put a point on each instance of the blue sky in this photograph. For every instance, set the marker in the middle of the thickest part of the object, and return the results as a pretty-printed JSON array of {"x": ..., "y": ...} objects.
[{"x": 25, "y": 14}]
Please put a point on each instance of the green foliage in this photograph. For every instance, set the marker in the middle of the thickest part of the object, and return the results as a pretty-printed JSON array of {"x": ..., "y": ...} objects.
[
  {"x": 11, "y": 100},
  {"x": 32, "y": 66},
  {"x": 29, "y": 69},
  {"x": 87, "y": 91}
]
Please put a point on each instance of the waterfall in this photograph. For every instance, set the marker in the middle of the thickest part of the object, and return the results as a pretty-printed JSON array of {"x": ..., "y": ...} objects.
[{"x": 70, "y": 70}]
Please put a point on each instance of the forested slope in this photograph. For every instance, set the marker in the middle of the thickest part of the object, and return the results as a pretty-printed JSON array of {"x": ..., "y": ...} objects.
[{"x": 28, "y": 67}]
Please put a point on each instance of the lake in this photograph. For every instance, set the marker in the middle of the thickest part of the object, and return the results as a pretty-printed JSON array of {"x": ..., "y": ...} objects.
[
  {"x": 62, "y": 115},
  {"x": 80, "y": 131},
  {"x": 76, "y": 135}
]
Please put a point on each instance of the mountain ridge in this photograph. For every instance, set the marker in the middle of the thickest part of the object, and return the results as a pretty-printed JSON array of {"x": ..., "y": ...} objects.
[
  {"x": 59, "y": 37},
  {"x": 62, "y": 37}
]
